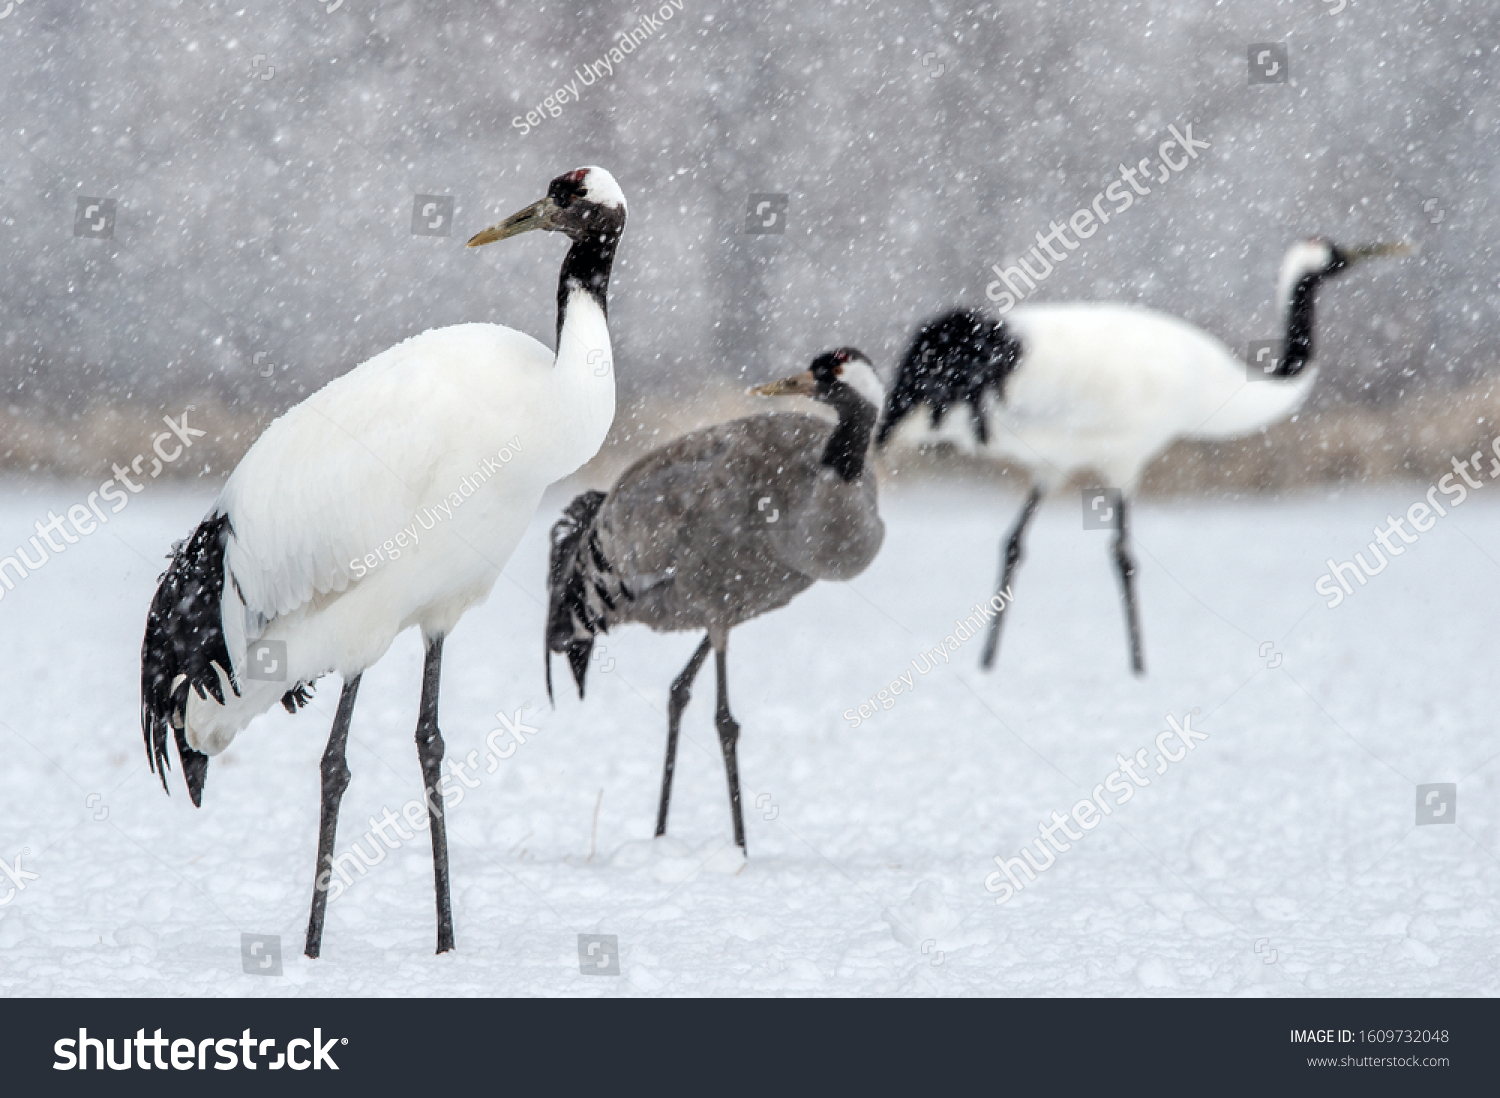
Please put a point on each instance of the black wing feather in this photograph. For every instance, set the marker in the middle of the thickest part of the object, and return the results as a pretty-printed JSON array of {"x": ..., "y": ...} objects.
[
  {"x": 952, "y": 359},
  {"x": 185, "y": 639},
  {"x": 575, "y": 558}
]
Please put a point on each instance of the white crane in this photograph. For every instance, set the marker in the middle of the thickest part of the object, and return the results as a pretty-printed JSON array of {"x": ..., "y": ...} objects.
[
  {"x": 1065, "y": 387},
  {"x": 319, "y": 550}
]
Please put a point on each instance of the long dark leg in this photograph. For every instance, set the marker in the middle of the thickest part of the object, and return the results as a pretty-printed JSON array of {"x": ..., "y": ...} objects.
[
  {"x": 1125, "y": 563},
  {"x": 682, "y": 693},
  {"x": 430, "y": 755},
  {"x": 335, "y": 769},
  {"x": 1008, "y": 561},
  {"x": 729, "y": 735}
]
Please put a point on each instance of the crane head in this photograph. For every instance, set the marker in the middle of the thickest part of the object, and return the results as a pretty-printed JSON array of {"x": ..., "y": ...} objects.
[
  {"x": 582, "y": 203},
  {"x": 830, "y": 374},
  {"x": 1319, "y": 258}
]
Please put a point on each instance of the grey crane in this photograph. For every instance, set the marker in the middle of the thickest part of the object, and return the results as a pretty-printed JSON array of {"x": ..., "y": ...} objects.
[{"x": 718, "y": 527}]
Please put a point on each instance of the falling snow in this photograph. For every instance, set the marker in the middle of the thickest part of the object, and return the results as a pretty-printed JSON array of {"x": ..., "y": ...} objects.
[
  {"x": 221, "y": 207},
  {"x": 1288, "y": 833}
]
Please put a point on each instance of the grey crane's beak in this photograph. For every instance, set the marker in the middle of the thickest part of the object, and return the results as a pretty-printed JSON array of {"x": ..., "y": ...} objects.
[
  {"x": 539, "y": 215},
  {"x": 803, "y": 384},
  {"x": 1377, "y": 251}
]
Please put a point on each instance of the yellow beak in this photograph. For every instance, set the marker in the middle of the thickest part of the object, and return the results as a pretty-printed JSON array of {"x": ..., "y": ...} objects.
[
  {"x": 536, "y": 216},
  {"x": 1378, "y": 251},
  {"x": 803, "y": 384}
]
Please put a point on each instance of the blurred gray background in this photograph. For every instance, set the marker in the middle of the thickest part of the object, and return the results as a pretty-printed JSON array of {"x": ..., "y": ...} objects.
[{"x": 264, "y": 157}]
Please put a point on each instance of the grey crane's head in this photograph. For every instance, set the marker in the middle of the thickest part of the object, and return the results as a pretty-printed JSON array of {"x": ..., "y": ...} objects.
[
  {"x": 835, "y": 377},
  {"x": 1317, "y": 258},
  {"x": 582, "y": 203}
]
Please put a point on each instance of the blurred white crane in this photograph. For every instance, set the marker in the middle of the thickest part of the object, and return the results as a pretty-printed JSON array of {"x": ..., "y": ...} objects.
[{"x": 1059, "y": 388}]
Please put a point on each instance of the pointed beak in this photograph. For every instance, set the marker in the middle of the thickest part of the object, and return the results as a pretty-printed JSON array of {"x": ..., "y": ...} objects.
[
  {"x": 803, "y": 384},
  {"x": 536, "y": 216},
  {"x": 1377, "y": 251}
]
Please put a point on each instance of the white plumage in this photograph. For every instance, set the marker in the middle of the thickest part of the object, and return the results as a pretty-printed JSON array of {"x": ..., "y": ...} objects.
[
  {"x": 367, "y": 458},
  {"x": 1099, "y": 386},
  {"x": 1108, "y": 387},
  {"x": 391, "y": 498}
]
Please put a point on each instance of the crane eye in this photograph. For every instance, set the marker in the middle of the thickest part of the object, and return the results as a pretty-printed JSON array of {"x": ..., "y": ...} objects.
[{"x": 565, "y": 188}]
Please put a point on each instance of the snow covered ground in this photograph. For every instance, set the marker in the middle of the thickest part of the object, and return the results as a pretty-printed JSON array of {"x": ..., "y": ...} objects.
[{"x": 1279, "y": 857}]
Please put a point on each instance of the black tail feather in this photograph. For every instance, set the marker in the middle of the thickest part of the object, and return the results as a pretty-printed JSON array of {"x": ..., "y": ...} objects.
[
  {"x": 184, "y": 649},
  {"x": 578, "y": 661},
  {"x": 194, "y": 769},
  {"x": 571, "y": 625},
  {"x": 952, "y": 359},
  {"x": 297, "y": 697}
]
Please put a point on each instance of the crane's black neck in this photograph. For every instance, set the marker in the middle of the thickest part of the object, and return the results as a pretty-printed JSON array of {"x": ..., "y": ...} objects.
[
  {"x": 586, "y": 268},
  {"x": 847, "y": 446},
  {"x": 1298, "y": 351}
]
